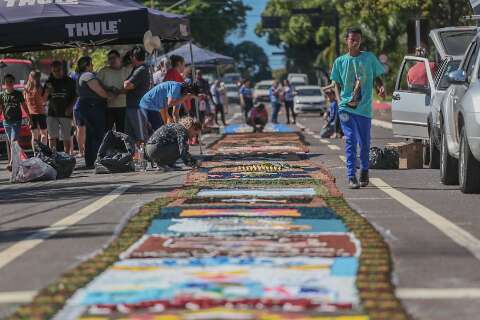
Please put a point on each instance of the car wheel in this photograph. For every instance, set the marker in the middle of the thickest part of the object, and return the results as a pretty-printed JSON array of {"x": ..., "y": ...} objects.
[
  {"x": 448, "y": 164},
  {"x": 433, "y": 153},
  {"x": 468, "y": 168}
]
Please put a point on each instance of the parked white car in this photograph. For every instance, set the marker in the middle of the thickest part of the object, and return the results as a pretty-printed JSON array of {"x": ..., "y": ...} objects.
[
  {"x": 231, "y": 78},
  {"x": 233, "y": 94},
  {"x": 459, "y": 122},
  {"x": 309, "y": 99},
  {"x": 297, "y": 79},
  {"x": 261, "y": 91},
  {"x": 421, "y": 87}
]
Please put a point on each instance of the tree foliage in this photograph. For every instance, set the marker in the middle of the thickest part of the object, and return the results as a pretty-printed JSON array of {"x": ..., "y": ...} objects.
[
  {"x": 251, "y": 60},
  {"x": 309, "y": 40},
  {"x": 211, "y": 21}
]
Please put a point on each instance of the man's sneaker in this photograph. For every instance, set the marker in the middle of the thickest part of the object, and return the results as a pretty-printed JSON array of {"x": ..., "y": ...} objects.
[
  {"x": 353, "y": 183},
  {"x": 364, "y": 179}
]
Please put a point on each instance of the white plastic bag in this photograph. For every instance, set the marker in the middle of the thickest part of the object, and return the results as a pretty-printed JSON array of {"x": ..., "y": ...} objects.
[{"x": 32, "y": 169}]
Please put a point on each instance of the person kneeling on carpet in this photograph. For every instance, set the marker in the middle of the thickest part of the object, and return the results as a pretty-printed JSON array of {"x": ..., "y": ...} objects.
[
  {"x": 258, "y": 117},
  {"x": 170, "y": 142}
]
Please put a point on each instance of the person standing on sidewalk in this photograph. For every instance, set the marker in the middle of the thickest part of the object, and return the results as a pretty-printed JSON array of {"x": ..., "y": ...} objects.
[
  {"x": 354, "y": 74},
  {"x": 62, "y": 95},
  {"x": 112, "y": 77},
  {"x": 274, "y": 94},
  {"x": 136, "y": 85}
]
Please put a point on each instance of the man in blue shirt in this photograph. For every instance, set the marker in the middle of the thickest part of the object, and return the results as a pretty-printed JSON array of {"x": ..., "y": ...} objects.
[
  {"x": 156, "y": 102},
  {"x": 354, "y": 74},
  {"x": 246, "y": 98},
  {"x": 274, "y": 94}
]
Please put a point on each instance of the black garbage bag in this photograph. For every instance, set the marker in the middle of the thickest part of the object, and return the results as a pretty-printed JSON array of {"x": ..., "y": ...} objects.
[
  {"x": 383, "y": 159},
  {"x": 60, "y": 161},
  {"x": 115, "y": 154}
]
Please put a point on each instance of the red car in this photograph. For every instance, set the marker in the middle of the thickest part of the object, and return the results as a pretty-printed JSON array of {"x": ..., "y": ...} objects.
[{"x": 19, "y": 69}]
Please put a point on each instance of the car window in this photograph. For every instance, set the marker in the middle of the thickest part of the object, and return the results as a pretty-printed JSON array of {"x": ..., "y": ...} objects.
[
  {"x": 451, "y": 66},
  {"x": 263, "y": 87},
  {"x": 471, "y": 57},
  {"x": 414, "y": 77}
]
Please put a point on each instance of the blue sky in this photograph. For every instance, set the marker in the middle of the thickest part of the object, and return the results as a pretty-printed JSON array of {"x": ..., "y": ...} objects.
[{"x": 253, "y": 17}]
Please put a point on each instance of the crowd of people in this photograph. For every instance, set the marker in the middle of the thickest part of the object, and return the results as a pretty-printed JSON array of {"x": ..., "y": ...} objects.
[
  {"x": 166, "y": 110},
  {"x": 151, "y": 108}
]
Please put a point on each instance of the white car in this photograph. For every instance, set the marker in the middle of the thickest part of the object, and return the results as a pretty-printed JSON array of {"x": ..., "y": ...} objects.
[
  {"x": 459, "y": 119},
  {"x": 309, "y": 99},
  {"x": 231, "y": 78},
  {"x": 297, "y": 79},
  {"x": 232, "y": 92},
  {"x": 261, "y": 91},
  {"x": 420, "y": 90}
]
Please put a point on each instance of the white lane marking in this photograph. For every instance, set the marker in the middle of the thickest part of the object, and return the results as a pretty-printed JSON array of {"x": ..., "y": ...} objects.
[
  {"x": 17, "y": 296},
  {"x": 343, "y": 158},
  {"x": 382, "y": 124},
  {"x": 235, "y": 116},
  {"x": 333, "y": 147},
  {"x": 21, "y": 247},
  {"x": 442, "y": 293},
  {"x": 454, "y": 232},
  {"x": 324, "y": 141},
  {"x": 316, "y": 136}
]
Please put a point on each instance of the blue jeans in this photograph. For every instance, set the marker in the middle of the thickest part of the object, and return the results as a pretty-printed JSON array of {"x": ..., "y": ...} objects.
[
  {"x": 357, "y": 133},
  {"x": 92, "y": 113},
  {"x": 276, "y": 109},
  {"x": 12, "y": 129},
  {"x": 153, "y": 118}
]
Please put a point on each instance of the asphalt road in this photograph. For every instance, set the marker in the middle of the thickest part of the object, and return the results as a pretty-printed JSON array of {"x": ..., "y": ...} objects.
[
  {"x": 48, "y": 227},
  {"x": 432, "y": 229}
]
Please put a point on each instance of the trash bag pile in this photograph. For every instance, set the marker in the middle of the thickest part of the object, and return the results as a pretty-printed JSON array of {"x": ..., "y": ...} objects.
[
  {"x": 386, "y": 158},
  {"x": 115, "y": 154},
  {"x": 26, "y": 169},
  {"x": 62, "y": 162}
]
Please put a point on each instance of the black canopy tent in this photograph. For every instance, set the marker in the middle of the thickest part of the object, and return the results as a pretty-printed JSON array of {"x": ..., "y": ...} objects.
[{"x": 29, "y": 25}]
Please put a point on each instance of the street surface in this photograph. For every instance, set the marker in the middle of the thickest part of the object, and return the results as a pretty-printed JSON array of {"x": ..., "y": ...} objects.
[{"x": 433, "y": 230}]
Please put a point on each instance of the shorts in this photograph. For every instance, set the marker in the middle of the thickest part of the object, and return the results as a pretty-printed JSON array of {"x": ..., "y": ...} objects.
[
  {"x": 136, "y": 124},
  {"x": 77, "y": 116},
  {"x": 59, "y": 126},
  {"x": 39, "y": 121},
  {"x": 12, "y": 129}
]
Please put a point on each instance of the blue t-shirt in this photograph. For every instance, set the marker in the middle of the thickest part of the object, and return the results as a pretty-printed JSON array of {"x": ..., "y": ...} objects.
[
  {"x": 346, "y": 69},
  {"x": 246, "y": 92},
  {"x": 273, "y": 97},
  {"x": 157, "y": 97}
]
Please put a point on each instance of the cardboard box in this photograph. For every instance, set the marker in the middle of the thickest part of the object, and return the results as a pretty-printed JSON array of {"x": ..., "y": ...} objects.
[{"x": 411, "y": 154}]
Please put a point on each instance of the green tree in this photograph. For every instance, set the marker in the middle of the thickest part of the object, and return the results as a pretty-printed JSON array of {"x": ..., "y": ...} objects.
[
  {"x": 211, "y": 21},
  {"x": 251, "y": 60},
  {"x": 309, "y": 41}
]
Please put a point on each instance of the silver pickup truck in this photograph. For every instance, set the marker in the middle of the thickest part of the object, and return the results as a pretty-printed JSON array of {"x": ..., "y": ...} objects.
[{"x": 420, "y": 90}]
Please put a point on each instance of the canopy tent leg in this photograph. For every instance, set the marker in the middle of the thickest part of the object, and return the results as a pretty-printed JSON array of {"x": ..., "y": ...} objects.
[{"x": 195, "y": 103}]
